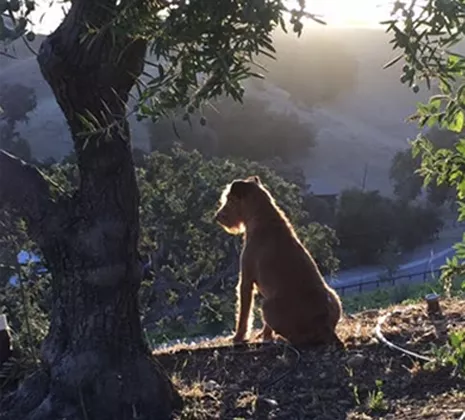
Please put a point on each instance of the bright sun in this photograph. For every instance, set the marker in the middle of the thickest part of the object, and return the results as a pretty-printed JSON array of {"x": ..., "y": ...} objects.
[
  {"x": 353, "y": 13},
  {"x": 350, "y": 12}
]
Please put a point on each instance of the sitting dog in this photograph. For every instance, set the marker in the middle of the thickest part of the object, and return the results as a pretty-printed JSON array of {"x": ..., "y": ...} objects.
[{"x": 298, "y": 305}]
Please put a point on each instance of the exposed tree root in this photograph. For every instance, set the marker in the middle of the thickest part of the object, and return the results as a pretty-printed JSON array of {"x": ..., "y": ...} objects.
[
  {"x": 26, "y": 398},
  {"x": 137, "y": 391}
]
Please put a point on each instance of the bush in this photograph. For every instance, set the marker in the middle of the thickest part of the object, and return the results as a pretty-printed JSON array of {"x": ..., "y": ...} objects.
[
  {"x": 179, "y": 195},
  {"x": 16, "y": 102},
  {"x": 415, "y": 225},
  {"x": 191, "y": 264},
  {"x": 369, "y": 225},
  {"x": 245, "y": 130},
  {"x": 408, "y": 184},
  {"x": 24, "y": 299},
  {"x": 364, "y": 223}
]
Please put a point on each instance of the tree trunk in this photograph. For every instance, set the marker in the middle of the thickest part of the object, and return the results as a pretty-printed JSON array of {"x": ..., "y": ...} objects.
[{"x": 96, "y": 364}]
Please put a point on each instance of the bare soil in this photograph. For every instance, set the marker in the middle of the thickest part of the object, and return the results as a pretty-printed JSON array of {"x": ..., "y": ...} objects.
[{"x": 277, "y": 381}]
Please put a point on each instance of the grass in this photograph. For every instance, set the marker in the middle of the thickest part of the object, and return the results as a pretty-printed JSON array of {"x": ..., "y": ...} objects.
[
  {"x": 376, "y": 401},
  {"x": 405, "y": 294}
]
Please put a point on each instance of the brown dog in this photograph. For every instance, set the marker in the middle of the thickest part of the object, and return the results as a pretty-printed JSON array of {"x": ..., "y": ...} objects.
[{"x": 298, "y": 304}]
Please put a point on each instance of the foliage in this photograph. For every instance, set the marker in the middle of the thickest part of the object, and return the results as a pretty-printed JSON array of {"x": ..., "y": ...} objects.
[
  {"x": 415, "y": 225},
  {"x": 427, "y": 35},
  {"x": 179, "y": 194},
  {"x": 24, "y": 298},
  {"x": 408, "y": 182},
  {"x": 402, "y": 173},
  {"x": 253, "y": 131},
  {"x": 189, "y": 39},
  {"x": 376, "y": 400},
  {"x": 248, "y": 130},
  {"x": 363, "y": 222},
  {"x": 368, "y": 224},
  {"x": 12, "y": 236},
  {"x": 192, "y": 287},
  {"x": 191, "y": 290},
  {"x": 321, "y": 209},
  {"x": 16, "y": 102},
  {"x": 452, "y": 353},
  {"x": 26, "y": 302},
  {"x": 198, "y": 51}
]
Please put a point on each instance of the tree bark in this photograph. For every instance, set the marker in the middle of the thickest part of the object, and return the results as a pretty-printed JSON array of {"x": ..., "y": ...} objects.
[{"x": 96, "y": 364}]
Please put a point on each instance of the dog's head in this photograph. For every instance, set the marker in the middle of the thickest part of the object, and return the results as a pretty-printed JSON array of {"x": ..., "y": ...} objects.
[{"x": 233, "y": 204}]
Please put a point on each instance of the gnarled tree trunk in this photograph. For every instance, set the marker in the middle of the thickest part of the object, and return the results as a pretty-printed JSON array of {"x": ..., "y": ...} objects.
[{"x": 95, "y": 362}]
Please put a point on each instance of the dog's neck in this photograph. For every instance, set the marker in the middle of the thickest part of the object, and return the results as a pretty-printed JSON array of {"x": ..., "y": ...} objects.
[{"x": 269, "y": 218}]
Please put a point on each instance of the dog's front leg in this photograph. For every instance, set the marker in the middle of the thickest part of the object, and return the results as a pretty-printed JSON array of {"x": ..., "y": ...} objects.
[{"x": 245, "y": 297}]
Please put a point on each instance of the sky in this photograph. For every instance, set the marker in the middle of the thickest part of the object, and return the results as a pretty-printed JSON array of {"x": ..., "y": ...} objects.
[{"x": 355, "y": 13}]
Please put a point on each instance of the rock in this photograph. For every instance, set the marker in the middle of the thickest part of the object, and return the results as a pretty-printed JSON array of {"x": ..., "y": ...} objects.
[
  {"x": 211, "y": 386},
  {"x": 356, "y": 360},
  {"x": 269, "y": 401}
]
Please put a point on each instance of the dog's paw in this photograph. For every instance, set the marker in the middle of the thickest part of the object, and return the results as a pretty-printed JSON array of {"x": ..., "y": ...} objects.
[
  {"x": 264, "y": 336},
  {"x": 238, "y": 338}
]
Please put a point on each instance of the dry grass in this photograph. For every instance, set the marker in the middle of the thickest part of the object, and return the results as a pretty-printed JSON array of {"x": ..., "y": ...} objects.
[{"x": 367, "y": 380}]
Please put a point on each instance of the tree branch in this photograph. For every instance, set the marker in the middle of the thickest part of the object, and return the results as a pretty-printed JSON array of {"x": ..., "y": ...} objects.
[{"x": 25, "y": 190}]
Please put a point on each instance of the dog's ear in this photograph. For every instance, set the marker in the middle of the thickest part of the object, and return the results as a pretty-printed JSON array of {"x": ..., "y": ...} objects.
[
  {"x": 239, "y": 189},
  {"x": 255, "y": 179}
]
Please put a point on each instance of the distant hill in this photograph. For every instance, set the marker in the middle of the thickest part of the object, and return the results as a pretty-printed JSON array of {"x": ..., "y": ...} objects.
[{"x": 330, "y": 77}]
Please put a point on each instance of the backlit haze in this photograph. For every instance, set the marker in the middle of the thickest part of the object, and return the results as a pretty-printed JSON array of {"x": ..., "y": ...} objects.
[{"x": 354, "y": 13}]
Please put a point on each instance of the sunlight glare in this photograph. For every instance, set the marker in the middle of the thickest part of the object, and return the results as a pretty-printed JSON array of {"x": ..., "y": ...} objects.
[
  {"x": 353, "y": 13},
  {"x": 349, "y": 12}
]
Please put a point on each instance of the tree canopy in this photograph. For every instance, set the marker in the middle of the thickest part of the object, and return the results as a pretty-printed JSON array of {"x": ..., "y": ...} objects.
[{"x": 428, "y": 35}]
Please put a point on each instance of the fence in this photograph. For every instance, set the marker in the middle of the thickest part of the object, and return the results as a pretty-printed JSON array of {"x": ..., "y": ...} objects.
[{"x": 370, "y": 285}]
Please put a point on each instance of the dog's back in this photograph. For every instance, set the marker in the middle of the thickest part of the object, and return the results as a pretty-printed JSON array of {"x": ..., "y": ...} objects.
[{"x": 302, "y": 307}]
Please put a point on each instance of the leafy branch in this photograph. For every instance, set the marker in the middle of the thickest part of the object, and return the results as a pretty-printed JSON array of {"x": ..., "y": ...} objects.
[{"x": 426, "y": 34}]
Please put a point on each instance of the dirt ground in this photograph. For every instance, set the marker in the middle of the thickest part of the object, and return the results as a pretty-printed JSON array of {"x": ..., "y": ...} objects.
[{"x": 367, "y": 380}]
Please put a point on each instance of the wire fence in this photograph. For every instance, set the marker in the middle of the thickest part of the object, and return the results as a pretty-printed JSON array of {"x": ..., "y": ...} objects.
[{"x": 386, "y": 281}]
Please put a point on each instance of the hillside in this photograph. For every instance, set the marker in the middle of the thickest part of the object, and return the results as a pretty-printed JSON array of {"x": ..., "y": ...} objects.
[
  {"x": 280, "y": 382},
  {"x": 330, "y": 77}
]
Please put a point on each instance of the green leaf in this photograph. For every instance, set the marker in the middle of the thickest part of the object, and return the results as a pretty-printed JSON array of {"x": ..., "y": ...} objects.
[
  {"x": 457, "y": 123},
  {"x": 460, "y": 147},
  {"x": 393, "y": 61},
  {"x": 456, "y": 339},
  {"x": 461, "y": 190}
]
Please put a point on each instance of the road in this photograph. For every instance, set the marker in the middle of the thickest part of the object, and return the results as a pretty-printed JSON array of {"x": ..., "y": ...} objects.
[{"x": 427, "y": 258}]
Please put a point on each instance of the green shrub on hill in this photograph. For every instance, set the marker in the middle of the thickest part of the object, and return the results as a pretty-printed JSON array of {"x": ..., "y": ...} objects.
[{"x": 190, "y": 288}]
